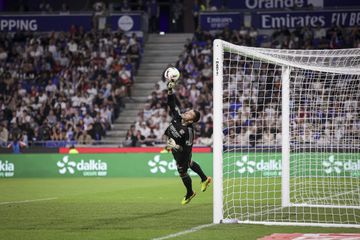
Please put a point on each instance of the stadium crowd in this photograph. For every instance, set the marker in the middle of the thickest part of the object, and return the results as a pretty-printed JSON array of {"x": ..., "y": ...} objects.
[
  {"x": 252, "y": 125},
  {"x": 69, "y": 86},
  {"x": 64, "y": 86}
]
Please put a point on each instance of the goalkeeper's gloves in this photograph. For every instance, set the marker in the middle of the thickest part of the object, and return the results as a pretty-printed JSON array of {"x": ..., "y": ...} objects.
[
  {"x": 170, "y": 86},
  {"x": 171, "y": 144}
]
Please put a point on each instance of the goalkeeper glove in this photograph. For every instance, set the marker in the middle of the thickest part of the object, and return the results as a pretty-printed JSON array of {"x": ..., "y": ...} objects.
[
  {"x": 170, "y": 85},
  {"x": 171, "y": 144}
]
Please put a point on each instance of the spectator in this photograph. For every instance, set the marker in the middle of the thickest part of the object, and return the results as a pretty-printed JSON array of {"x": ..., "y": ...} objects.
[
  {"x": 134, "y": 53},
  {"x": 152, "y": 138},
  {"x": 153, "y": 11},
  {"x": 176, "y": 15},
  {"x": 133, "y": 137},
  {"x": 196, "y": 13},
  {"x": 73, "y": 150},
  {"x": 4, "y": 135},
  {"x": 98, "y": 130},
  {"x": 84, "y": 138},
  {"x": 144, "y": 131},
  {"x": 99, "y": 17},
  {"x": 16, "y": 145}
]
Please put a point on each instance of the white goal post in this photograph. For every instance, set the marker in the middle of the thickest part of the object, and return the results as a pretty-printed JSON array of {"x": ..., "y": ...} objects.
[{"x": 286, "y": 146}]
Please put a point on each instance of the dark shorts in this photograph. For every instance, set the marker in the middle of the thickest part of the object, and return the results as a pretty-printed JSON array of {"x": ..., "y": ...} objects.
[{"x": 182, "y": 162}]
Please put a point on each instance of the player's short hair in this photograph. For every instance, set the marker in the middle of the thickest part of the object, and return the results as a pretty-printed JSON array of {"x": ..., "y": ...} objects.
[{"x": 197, "y": 116}]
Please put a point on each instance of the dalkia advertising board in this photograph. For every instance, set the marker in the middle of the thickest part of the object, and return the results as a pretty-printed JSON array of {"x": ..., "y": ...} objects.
[
  {"x": 95, "y": 165},
  {"x": 88, "y": 167},
  {"x": 301, "y": 164},
  {"x": 163, "y": 165},
  {"x": 7, "y": 169}
]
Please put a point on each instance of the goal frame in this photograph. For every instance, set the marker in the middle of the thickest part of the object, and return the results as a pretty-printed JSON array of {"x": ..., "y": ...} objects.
[{"x": 218, "y": 212}]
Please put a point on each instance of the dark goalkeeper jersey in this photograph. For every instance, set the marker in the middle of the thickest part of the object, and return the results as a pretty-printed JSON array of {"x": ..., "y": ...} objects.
[{"x": 183, "y": 135}]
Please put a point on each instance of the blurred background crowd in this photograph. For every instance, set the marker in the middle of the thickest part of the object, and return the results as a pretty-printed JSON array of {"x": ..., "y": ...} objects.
[{"x": 64, "y": 86}]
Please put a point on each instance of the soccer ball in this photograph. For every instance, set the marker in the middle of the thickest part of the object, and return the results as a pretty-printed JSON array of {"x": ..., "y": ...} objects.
[{"x": 172, "y": 74}]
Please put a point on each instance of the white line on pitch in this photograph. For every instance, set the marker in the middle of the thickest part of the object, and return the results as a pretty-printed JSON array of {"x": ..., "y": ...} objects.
[
  {"x": 27, "y": 201},
  {"x": 191, "y": 230}
]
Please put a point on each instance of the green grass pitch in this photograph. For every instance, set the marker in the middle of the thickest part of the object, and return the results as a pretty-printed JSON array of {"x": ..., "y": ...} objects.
[{"x": 116, "y": 208}]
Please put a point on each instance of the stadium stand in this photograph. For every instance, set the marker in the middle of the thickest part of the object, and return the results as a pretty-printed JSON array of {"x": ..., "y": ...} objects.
[{"x": 64, "y": 87}]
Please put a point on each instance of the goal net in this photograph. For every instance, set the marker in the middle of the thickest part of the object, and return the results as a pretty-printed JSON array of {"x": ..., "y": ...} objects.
[{"x": 286, "y": 136}]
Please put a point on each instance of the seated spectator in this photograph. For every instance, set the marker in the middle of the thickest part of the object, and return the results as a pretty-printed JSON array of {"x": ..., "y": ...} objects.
[
  {"x": 84, "y": 138},
  {"x": 98, "y": 130},
  {"x": 151, "y": 138},
  {"x": 133, "y": 137},
  {"x": 4, "y": 135},
  {"x": 134, "y": 53},
  {"x": 16, "y": 145}
]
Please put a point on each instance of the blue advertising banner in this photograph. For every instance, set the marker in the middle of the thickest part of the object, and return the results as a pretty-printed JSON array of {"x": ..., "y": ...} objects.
[
  {"x": 219, "y": 20},
  {"x": 47, "y": 23},
  {"x": 275, "y": 20}
]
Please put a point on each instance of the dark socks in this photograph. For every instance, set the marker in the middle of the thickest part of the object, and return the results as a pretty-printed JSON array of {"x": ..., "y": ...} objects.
[
  {"x": 187, "y": 182},
  {"x": 196, "y": 168}
]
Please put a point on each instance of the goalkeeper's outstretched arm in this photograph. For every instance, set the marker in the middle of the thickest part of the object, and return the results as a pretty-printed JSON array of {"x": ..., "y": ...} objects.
[{"x": 173, "y": 102}]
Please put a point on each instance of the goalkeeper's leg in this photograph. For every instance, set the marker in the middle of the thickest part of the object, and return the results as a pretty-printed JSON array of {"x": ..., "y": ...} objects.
[
  {"x": 186, "y": 179},
  {"x": 189, "y": 192},
  {"x": 205, "y": 181}
]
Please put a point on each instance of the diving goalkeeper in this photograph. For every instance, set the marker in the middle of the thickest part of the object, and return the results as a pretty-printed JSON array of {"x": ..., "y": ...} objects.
[{"x": 180, "y": 135}]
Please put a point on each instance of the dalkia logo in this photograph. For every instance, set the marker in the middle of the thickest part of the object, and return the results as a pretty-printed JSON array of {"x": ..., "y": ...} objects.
[
  {"x": 245, "y": 165},
  {"x": 89, "y": 167},
  {"x": 66, "y": 166},
  {"x": 331, "y": 165},
  {"x": 7, "y": 169},
  {"x": 251, "y": 166},
  {"x": 162, "y": 166}
]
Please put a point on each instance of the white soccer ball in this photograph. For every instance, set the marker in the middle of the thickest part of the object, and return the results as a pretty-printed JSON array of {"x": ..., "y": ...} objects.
[{"x": 172, "y": 74}]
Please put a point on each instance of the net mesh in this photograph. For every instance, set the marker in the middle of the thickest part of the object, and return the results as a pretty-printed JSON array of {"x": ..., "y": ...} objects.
[{"x": 324, "y": 135}]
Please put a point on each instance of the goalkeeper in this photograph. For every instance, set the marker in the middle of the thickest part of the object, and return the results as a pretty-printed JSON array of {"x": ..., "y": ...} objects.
[{"x": 180, "y": 135}]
